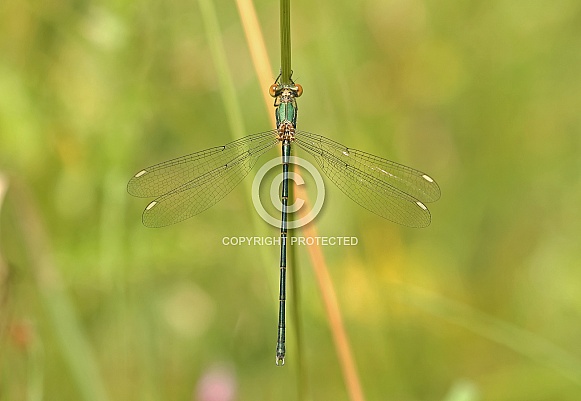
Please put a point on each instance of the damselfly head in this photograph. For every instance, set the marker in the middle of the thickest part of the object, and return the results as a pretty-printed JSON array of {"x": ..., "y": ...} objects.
[{"x": 295, "y": 90}]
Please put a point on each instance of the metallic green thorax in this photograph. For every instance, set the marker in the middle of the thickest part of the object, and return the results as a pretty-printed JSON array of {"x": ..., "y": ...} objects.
[{"x": 286, "y": 108}]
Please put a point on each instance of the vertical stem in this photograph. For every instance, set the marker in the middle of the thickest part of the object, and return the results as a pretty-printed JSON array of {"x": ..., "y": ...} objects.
[
  {"x": 294, "y": 272},
  {"x": 285, "y": 43},
  {"x": 346, "y": 360}
]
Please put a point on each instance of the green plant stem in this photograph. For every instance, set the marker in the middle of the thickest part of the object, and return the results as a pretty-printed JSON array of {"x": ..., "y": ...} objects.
[
  {"x": 294, "y": 272},
  {"x": 285, "y": 43}
]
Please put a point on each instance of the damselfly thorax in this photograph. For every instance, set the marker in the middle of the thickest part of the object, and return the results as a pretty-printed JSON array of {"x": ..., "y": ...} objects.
[{"x": 286, "y": 109}]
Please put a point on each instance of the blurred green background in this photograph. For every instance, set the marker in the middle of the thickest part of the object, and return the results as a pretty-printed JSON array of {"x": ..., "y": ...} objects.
[{"x": 482, "y": 305}]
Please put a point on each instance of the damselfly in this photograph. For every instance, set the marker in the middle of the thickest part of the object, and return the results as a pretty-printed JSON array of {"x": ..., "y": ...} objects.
[{"x": 190, "y": 184}]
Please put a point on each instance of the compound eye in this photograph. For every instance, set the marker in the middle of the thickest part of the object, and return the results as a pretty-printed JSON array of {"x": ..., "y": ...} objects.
[
  {"x": 272, "y": 90},
  {"x": 299, "y": 90}
]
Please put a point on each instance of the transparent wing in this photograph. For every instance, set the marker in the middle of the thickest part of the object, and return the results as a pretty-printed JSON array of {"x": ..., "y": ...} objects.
[
  {"x": 406, "y": 179},
  {"x": 204, "y": 191},
  {"x": 385, "y": 188},
  {"x": 161, "y": 178}
]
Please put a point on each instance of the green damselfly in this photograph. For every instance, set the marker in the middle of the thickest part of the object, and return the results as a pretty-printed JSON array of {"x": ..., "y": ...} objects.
[{"x": 190, "y": 184}]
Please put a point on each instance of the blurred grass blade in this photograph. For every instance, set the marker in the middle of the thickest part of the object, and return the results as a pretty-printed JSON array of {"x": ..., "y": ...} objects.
[
  {"x": 227, "y": 88},
  {"x": 3, "y": 266},
  {"x": 75, "y": 347},
  {"x": 258, "y": 52},
  {"x": 521, "y": 341},
  {"x": 340, "y": 339}
]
